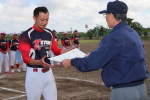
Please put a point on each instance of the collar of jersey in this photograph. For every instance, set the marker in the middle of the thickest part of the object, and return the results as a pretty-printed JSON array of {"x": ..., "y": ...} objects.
[{"x": 40, "y": 30}]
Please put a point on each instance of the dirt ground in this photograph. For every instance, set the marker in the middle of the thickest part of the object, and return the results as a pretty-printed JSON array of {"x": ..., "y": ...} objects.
[{"x": 71, "y": 84}]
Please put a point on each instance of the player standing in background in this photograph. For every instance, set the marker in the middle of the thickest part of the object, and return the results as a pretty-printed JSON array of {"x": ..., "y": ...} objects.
[
  {"x": 51, "y": 52},
  {"x": 75, "y": 39},
  {"x": 13, "y": 48},
  {"x": 54, "y": 34},
  {"x": 4, "y": 47},
  {"x": 65, "y": 41},
  {"x": 39, "y": 77}
]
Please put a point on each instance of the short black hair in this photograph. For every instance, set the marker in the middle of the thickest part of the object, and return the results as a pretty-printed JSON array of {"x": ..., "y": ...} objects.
[{"x": 39, "y": 9}]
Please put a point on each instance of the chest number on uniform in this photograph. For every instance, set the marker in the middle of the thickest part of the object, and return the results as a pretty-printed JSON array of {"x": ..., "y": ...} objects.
[{"x": 47, "y": 54}]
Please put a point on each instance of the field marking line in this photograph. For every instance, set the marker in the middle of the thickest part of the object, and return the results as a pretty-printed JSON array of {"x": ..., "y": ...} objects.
[
  {"x": 11, "y": 90},
  {"x": 14, "y": 97},
  {"x": 2, "y": 76},
  {"x": 76, "y": 79}
]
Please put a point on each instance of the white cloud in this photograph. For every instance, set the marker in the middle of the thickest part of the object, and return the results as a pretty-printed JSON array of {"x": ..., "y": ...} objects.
[{"x": 16, "y": 15}]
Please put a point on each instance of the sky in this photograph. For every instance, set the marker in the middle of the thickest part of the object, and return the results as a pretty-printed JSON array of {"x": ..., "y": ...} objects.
[{"x": 17, "y": 15}]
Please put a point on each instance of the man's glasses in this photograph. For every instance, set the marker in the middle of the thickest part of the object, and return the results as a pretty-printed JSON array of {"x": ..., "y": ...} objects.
[{"x": 104, "y": 15}]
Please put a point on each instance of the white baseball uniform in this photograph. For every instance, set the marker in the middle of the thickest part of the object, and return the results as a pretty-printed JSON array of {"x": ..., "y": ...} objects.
[{"x": 3, "y": 47}]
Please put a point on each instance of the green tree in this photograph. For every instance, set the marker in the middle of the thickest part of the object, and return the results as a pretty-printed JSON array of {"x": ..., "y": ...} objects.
[
  {"x": 102, "y": 30},
  {"x": 129, "y": 20},
  {"x": 135, "y": 25},
  {"x": 90, "y": 33}
]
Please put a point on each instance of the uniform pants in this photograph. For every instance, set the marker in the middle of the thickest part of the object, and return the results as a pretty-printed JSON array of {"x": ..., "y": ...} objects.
[
  {"x": 4, "y": 57},
  {"x": 12, "y": 58},
  {"x": 39, "y": 83},
  {"x": 130, "y": 93}
]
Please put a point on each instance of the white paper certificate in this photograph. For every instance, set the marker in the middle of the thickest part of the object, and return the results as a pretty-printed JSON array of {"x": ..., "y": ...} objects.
[{"x": 75, "y": 53}]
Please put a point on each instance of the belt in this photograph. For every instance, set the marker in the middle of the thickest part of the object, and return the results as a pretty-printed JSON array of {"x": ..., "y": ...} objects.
[{"x": 42, "y": 70}]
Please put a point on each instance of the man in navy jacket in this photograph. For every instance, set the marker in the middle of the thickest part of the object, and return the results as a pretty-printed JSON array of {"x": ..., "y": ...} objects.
[{"x": 120, "y": 55}]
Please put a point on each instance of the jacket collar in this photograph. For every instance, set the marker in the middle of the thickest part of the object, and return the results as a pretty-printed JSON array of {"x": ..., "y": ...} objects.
[{"x": 122, "y": 23}]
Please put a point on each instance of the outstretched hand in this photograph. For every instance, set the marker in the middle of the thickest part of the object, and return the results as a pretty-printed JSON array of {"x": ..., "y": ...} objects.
[
  {"x": 66, "y": 63},
  {"x": 44, "y": 64}
]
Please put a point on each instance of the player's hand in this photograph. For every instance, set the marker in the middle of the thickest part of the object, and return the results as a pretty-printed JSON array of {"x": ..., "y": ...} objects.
[
  {"x": 44, "y": 64},
  {"x": 4, "y": 52},
  {"x": 66, "y": 63}
]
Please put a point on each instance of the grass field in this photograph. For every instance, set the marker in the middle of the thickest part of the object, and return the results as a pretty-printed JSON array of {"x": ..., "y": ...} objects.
[{"x": 84, "y": 41}]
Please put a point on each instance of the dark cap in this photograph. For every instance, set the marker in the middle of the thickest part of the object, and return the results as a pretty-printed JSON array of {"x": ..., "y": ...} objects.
[
  {"x": 75, "y": 30},
  {"x": 54, "y": 31},
  {"x": 116, "y": 7}
]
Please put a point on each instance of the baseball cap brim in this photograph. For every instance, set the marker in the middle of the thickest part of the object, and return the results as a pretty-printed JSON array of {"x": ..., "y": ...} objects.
[
  {"x": 103, "y": 11},
  {"x": 19, "y": 56}
]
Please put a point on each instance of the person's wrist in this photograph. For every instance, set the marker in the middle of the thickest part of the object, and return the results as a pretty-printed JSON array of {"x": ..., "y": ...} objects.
[{"x": 38, "y": 62}]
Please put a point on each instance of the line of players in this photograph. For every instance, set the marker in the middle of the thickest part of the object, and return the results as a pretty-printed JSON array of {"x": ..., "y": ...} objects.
[
  {"x": 67, "y": 42},
  {"x": 10, "y": 46}
]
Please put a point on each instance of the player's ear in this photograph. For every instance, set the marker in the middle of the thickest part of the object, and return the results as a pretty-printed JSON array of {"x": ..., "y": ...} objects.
[{"x": 34, "y": 18}]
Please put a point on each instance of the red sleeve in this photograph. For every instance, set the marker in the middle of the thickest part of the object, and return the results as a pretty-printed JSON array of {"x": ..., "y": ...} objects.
[
  {"x": 24, "y": 43},
  {"x": 25, "y": 56},
  {"x": 56, "y": 50},
  {"x": 71, "y": 38},
  {"x": 7, "y": 44},
  {"x": 0, "y": 50},
  {"x": 24, "y": 47},
  {"x": 63, "y": 43}
]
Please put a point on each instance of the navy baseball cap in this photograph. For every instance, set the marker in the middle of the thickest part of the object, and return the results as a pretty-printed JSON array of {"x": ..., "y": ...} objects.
[{"x": 116, "y": 7}]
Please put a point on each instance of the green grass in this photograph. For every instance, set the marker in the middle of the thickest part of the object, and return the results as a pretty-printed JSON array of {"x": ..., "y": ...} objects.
[{"x": 84, "y": 41}]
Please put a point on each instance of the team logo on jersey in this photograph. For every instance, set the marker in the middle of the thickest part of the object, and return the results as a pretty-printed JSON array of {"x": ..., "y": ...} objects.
[{"x": 38, "y": 44}]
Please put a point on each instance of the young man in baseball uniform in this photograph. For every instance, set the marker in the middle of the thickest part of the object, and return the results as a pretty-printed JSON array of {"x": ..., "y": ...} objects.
[
  {"x": 121, "y": 56},
  {"x": 39, "y": 77},
  {"x": 14, "y": 42},
  {"x": 75, "y": 40},
  {"x": 65, "y": 41},
  {"x": 4, "y": 47}
]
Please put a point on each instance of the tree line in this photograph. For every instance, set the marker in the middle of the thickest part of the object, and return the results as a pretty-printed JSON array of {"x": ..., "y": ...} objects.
[{"x": 100, "y": 30}]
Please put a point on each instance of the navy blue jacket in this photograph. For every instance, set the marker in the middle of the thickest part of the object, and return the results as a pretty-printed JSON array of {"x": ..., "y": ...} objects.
[{"x": 120, "y": 55}]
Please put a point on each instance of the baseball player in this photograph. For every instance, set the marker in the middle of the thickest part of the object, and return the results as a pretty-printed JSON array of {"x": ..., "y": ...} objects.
[
  {"x": 65, "y": 41},
  {"x": 51, "y": 52},
  {"x": 75, "y": 40},
  {"x": 13, "y": 47},
  {"x": 39, "y": 76},
  {"x": 4, "y": 47}
]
